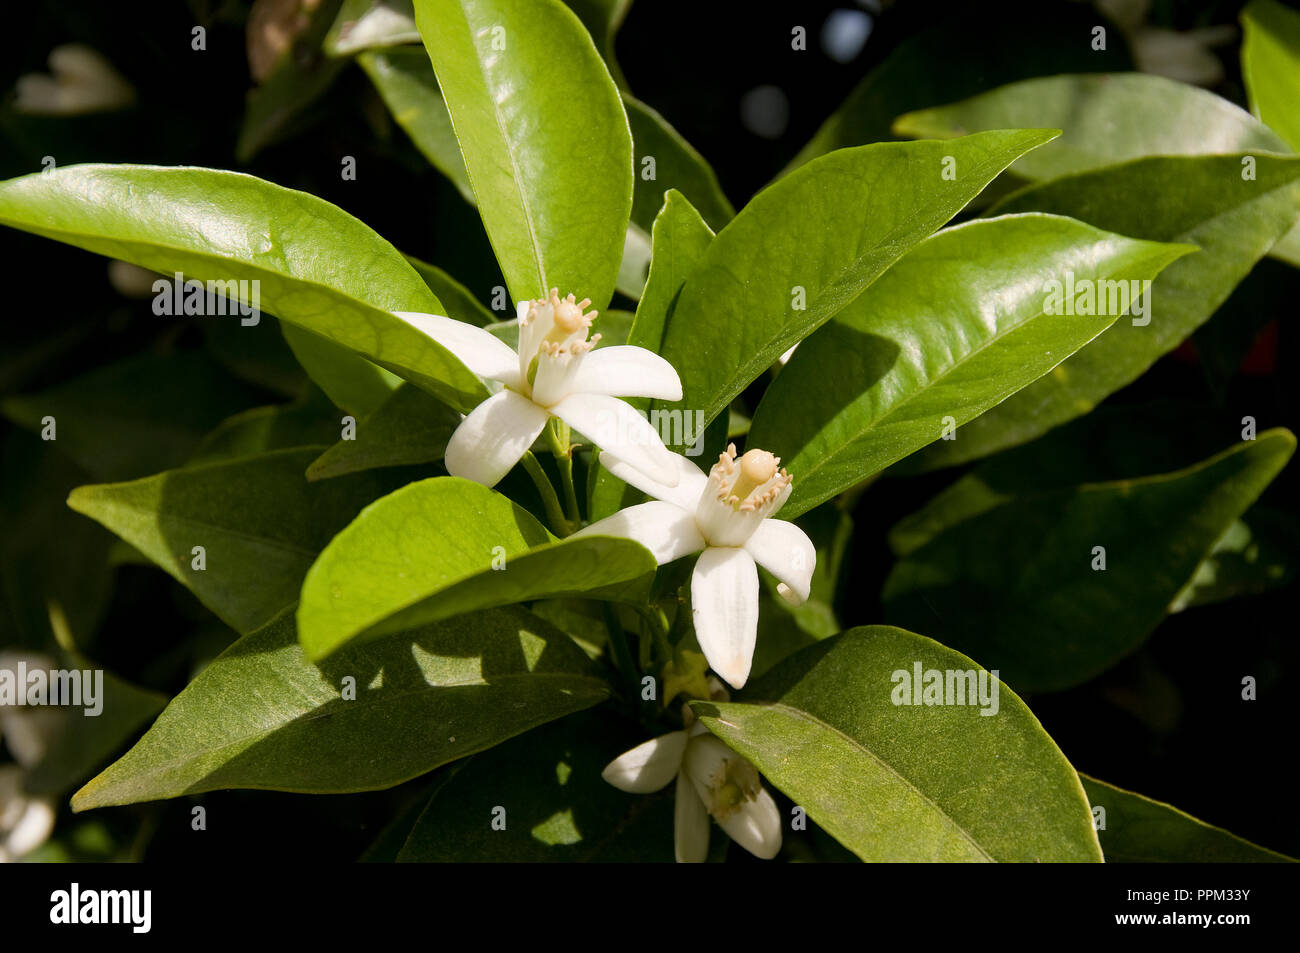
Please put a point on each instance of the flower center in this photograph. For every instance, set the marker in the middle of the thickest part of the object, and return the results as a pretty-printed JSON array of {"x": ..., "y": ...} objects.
[
  {"x": 556, "y": 328},
  {"x": 731, "y": 786},
  {"x": 568, "y": 331},
  {"x": 750, "y": 483}
]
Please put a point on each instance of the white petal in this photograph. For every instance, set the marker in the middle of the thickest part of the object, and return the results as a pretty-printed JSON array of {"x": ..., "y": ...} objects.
[
  {"x": 756, "y": 826},
  {"x": 785, "y": 551},
  {"x": 492, "y": 439},
  {"x": 483, "y": 353},
  {"x": 626, "y": 371},
  {"x": 555, "y": 376},
  {"x": 532, "y": 333},
  {"x": 691, "y": 481},
  {"x": 614, "y": 425},
  {"x": 649, "y": 766},
  {"x": 666, "y": 530},
  {"x": 724, "y": 605},
  {"x": 690, "y": 824}
]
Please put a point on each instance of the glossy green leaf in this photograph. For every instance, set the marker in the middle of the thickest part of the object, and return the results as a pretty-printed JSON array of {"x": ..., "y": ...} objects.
[
  {"x": 954, "y": 328},
  {"x": 680, "y": 238},
  {"x": 548, "y": 150},
  {"x": 410, "y": 428},
  {"x": 803, "y": 249},
  {"x": 262, "y": 716},
  {"x": 259, "y": 521},
  {"x": 441, "y": 547},
  {"x": 906, "y": 782},
  {"x": 1020, "y": 585},
  {"x": 135, "y": 417},
  {"x": 1010, "y": 48},
  {"x": 557, "y": 806},
  {"x": 664, "y": 160},
  {"x": 458, "y": 300},
  {"x": 1200, "y": 200},
  {"x": 1140, "y": 830},
  {"x": 1270, "y": 66},
  {"x": 1104, "y": 118},
  {"x": 409, "y": 87},
  {"x": 317, "y": 266},
  {"x": 410, "y": 90},
  {"x": 353, "y": 383}
]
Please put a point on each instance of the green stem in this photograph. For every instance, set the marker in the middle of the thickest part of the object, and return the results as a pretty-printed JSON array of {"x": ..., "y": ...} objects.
[
  {"x": 657, "y": 620},
  {"x": 558, "y": 433},
  {"x": 546, "y": 490}
]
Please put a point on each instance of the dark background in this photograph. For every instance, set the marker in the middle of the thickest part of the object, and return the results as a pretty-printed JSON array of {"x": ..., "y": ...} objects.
[{"x": 1168, "y": 722}]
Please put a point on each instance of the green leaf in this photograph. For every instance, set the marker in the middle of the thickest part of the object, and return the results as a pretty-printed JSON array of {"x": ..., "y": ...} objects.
[
  {"x": 138, "y": 416},
  {"x": 602, "y": 18},
  {"x": 82, "y": 743},
  {"x": 680, "y": 237},
  {"x": 410, "y": 90},
  {"x": 1019, "y": 585},
  {"x": 49, "y": 556},
  {"x": 1108, "y": 118},
  {"x": 558, "y": 807},
  {"x": 954, "y": 328},
  {"x": 1011, "y": 48},
  {"x": 1115, "y": 442},
  {"x": 1140, "y": 831},
  {"x": 1257, "y": 553},
  {"x": 664, "y": 160},
  {"x": 255, "y": 353},
  {"x": 1270, "y": 66},
  {"x": 261, "y": 716},
  {"x": 348, "y": 379},
  {"x": 455, "y": 297},
  {"x": 1104, "y": 117},
  {"x": 300, "y": 77},
  {"x": 803, "y": 249},
  {"x": 1199, "y": 200},
  {"x": 906, "y": 782},
  {"x": 310, "y": 422},
  {"x": 410, "y": 428},
  {"x": 409, "y": 87},
  {"x": 317, "y": 266},
  {"x": 444, "y": 546},
  {"x": 548, "y": 149},
  {"x": 258, "y": 520}
]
